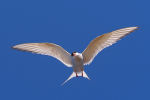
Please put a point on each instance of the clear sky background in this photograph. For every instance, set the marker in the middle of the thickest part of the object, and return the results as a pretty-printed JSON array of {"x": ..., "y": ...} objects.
[{"x": 119, "y": 72}]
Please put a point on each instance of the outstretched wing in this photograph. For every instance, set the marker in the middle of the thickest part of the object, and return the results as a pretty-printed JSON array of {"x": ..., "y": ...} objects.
[
  {"x": 47, "y": 49},
  {"x": 104, "y": 41}
]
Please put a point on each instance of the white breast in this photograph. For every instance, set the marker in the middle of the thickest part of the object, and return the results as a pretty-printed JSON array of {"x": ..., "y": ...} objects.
[{"x": 77, "y": 61}]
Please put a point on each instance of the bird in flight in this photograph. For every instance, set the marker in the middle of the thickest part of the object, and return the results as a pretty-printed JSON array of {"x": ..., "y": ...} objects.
[{"x": 77, "y": 60}]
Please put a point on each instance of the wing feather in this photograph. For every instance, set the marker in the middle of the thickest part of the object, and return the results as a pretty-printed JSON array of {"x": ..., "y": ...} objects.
[
  {"x": 47, "y": 49},
  {"x": 104, "y": 41}
]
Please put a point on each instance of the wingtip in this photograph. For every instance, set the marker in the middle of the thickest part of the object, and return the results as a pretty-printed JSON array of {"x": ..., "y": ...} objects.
[
  {"x": 137, "y": 28},
  {"x": 12, "y": 47}
]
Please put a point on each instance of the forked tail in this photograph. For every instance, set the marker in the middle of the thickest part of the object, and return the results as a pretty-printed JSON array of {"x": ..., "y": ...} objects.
[{"x": 79, "y": 74}]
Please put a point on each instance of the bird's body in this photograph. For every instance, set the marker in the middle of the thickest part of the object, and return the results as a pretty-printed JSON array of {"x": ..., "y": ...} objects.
[{"x": 76, "y": 60}]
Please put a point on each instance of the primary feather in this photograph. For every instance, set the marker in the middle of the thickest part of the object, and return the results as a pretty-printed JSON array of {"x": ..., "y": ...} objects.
[
  {"x": 47, "y": 49},
  {"x": 104, "y": 41}
]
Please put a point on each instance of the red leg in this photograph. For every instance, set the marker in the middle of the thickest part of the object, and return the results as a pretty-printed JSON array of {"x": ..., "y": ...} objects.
[
  {"x": 82, "y": 73},
  {"x": 76, "y": 75}
]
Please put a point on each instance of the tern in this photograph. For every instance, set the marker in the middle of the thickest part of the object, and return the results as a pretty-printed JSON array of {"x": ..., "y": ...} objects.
[{"x": 77, "y": 60}]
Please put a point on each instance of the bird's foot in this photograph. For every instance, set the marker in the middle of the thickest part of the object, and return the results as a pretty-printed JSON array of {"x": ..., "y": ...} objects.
[{"x": 76, "y": 75}]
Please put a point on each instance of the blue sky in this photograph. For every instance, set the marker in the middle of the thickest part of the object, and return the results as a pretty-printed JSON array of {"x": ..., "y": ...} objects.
[{"x": 119, "y": 72}]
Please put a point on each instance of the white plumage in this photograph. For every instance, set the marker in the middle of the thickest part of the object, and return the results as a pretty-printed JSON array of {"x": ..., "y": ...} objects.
[{"x": 76, "y": 60}]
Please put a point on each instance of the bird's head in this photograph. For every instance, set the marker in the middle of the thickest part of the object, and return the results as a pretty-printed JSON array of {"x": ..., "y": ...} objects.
[{"x": 74, "y": 53}]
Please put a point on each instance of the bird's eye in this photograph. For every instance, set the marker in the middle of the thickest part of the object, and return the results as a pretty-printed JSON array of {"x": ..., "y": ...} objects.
[{"x": 73, "y": 54}]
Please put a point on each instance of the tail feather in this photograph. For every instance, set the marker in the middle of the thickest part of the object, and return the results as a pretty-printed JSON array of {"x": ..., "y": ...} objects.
[
  {"x": 85, "y": 75},
  {"x": 74, "y": 75},
  {"x": 71, "y": 76}
]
